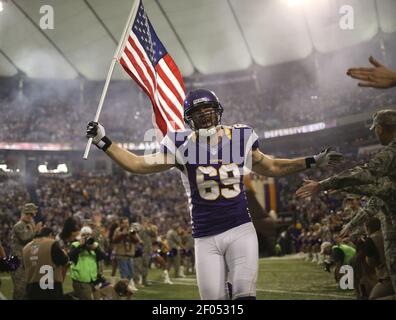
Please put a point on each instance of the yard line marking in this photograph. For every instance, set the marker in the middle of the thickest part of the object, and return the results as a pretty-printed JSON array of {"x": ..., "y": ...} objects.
[
  {"x": 305, "y": 293},
  {"x": 298, "y": 293}
]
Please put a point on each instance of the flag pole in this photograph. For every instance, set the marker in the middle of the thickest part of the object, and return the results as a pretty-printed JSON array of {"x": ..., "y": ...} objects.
[{"x": 111, "y": 70}]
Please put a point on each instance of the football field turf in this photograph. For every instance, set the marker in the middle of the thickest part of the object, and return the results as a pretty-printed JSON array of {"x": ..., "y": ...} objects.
[{"x": 279, "y": 279}]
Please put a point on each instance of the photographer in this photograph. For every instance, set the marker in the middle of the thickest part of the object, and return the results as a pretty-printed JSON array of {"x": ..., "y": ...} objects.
[
  {"x": 44, "y": 251},
  {"x": 125, "y": 240},
  {"x": 70, "y": 231},
  {"x": 85, "y": 254},
  {"x": 340, "y": 255}
]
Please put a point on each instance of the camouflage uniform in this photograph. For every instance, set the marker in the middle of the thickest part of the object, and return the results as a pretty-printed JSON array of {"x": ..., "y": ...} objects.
[
  {"x": 188, "y": 242},
  {"x": 22, "y": 233},
  {"x": 145, "y": 237},
  {"x": 174, "y": 242},
  {"x": 382, "y": 165},
  {"x": 381, "y": 204}
]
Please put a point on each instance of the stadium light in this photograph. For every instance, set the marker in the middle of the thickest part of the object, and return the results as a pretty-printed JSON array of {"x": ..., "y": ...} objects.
[
  {"x": 294, "y": 3},
  {"x": 1, "y": 6},
  {"x": 61, "y": 168},
  {"x": 5, "y": 168}
]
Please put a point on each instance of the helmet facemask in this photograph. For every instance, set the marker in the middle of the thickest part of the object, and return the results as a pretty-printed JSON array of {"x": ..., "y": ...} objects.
[{"x": 204, "y": 119}]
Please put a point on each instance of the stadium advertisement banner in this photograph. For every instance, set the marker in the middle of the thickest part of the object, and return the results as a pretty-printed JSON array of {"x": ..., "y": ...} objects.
[
  {"x": 298, "y": 130},
  {"x": 38, "y": 146},
  {"x": 35, "y": 146}
]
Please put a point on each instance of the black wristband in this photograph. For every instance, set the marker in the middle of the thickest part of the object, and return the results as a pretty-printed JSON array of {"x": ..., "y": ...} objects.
[
  {"x": 309, "y": 162},
  {"x": 104, "y": 144}
]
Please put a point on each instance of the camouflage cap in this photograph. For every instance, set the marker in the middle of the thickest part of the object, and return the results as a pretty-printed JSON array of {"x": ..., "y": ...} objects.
[
  {"x": 29, "y": 208},
  {"x": 386, "y": 116}
]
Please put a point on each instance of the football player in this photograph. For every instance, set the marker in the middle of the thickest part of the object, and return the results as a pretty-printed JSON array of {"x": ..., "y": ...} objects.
[{"x": 212, "y": 159}]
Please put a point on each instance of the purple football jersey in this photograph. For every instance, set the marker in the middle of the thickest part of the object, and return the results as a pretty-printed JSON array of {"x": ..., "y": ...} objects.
[{"x": 212, "y": 174}]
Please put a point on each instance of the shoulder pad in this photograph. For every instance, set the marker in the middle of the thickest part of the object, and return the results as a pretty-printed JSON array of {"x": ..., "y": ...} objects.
[{"x": 240, "y": 126}]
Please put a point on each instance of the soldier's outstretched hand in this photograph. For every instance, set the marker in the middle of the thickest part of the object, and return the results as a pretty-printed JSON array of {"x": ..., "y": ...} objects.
[
  {"x": 379, "y": 77},
  {"x": 309, "y": 189}
]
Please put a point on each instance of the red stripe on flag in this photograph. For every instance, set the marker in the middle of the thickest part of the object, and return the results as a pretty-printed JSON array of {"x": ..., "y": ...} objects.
[
  {"x": 146, "y": 82},
  {"x": 168, "y": 83},
  {"x": 148, "y": 85},
  {"x": 161, "y": 123},
  {"x": 139, "y": 70},
  {"x": 141, "y": 56},
  {"x": 175, "y": 70},
  {"x": 170, "y": 103},
  {"x": 149, "y": 71}
]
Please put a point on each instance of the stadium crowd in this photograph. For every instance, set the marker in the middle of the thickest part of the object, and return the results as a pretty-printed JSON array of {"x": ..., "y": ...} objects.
[
  {"x": 134, "y": 223},
  {"x": 32, "y": 118},
  {"x": 155, "y": 209},
  {"x": 157, "y": 204}
]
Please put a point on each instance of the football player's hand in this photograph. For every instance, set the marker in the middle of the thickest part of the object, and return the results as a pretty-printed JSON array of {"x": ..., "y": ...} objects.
[
  {"x": 98, "y": 134},
  {"x": 378, "y": 77},
  {"x": 309, "y": 189},
  {"x": 327, "y": 157}
]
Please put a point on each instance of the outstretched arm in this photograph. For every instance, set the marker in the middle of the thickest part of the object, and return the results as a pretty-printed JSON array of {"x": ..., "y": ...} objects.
[
  {"x": 267, "y": 166},
  {"x": 384, "y": 189},
  {"x": 378, "y": 77},
  {"x": 371, "y": 209},
  {"x": 128, "y": 160},
  {"x": 138, "y": 164},
  {"x": 369, "y": 173},
  {"x": 272, "y": 167}
]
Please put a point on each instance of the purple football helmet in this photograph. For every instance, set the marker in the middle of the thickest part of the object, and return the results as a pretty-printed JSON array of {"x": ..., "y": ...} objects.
[{"x": 202, "y": 109}]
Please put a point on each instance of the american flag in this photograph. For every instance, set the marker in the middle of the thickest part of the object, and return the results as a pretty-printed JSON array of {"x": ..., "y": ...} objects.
[{"x": 146, "y": 60}]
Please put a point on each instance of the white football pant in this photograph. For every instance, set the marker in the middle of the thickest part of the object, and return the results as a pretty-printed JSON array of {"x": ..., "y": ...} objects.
[{"x": 231, "y": 256}]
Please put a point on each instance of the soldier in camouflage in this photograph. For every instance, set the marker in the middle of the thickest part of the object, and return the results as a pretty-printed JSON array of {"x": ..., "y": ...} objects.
[
  {"x": 22, "y": 233},
  {"x": 382, "y": 165},
  {"x": 142, "y": 263},
  {"x": 381, "y": 204},
  {"x": 188, "y": 243},
  {"x": 175, "y": 244}
]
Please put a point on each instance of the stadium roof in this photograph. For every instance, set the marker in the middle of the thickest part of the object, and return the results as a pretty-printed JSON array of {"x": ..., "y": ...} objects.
[{"x": 205, "y": 36}]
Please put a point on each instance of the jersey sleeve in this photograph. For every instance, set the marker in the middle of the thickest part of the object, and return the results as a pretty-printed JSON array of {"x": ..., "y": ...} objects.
[
  {"x": 172, "y": 146},
  {"x": 249, "y": 136},
  {"x": 255, "y": 140},
  {"x": 168, "y": 145}
]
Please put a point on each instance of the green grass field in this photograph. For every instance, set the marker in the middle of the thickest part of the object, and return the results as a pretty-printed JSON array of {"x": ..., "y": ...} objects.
[{"x": 279, "y": 279}]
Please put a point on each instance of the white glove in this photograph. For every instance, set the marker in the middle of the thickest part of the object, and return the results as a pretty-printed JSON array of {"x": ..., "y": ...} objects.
[
  {"x": 98, "y": 134},
  {"x": 326, "y": 157}
]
